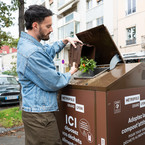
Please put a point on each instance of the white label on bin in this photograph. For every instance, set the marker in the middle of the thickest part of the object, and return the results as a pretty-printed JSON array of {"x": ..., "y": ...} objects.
[
  {"x": 69, "y": 99},
  {"x": 132, "y": 99},
  {"x": 79, "y": 108},
  {"x": 142, "y": 103},
  {"x": 102, "y": 141}
]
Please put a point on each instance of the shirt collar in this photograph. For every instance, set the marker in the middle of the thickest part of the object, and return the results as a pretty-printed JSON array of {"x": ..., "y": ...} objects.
[{"x": 31, "y": 38}]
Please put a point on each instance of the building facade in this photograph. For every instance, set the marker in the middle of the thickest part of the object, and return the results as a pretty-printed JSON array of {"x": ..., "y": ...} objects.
[
  {"x": 73, "y": 16},
  {"x": 130, "y": 28},
  {"x": 123, "y": 18}
]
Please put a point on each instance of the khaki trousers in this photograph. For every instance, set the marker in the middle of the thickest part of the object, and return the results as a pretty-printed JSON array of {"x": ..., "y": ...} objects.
[{"x": 40, "y": 129}]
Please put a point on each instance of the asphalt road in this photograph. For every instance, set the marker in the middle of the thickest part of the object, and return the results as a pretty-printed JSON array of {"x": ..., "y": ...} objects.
[{"x": 15, "y": 138}]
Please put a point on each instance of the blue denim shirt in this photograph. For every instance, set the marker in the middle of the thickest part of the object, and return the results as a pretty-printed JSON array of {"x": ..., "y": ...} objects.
[{"x": 37, "y": 74}]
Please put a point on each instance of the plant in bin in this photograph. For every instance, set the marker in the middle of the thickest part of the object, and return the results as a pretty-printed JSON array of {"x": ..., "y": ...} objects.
[{"x": 87, "y": 65}]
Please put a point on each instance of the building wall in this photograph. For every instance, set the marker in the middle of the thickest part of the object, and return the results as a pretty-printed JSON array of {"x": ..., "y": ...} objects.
[
  {"x": 109, "y": 15},
  {"x": 82, "y": 15},
  {"x": 7, "y": 59},
  {"x": 126, "y": 21},
  {"x": 114, "y": 18}
]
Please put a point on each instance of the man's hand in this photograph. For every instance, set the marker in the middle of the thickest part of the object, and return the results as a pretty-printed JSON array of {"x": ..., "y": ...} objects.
[
  {"x": 71, "y": 40},
  {"x": 73, "y": 69}
]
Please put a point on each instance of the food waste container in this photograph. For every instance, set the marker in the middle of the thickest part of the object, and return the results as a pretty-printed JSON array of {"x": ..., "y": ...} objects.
[{"x": 107, "y": 108}]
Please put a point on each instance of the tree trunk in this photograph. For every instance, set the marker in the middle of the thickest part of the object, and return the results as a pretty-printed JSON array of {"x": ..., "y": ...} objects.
[{"x": 21, "y": 16}]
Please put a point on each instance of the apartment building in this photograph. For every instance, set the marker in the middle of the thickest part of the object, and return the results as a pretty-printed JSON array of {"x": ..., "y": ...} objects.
[
  {"x": 129, "y": 28},
  {"x": 125, "y": 20},
  {"x": 73, "y": 16}
]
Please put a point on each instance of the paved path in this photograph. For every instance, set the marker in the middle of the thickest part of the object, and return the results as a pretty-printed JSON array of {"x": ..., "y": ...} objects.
[{"x": 16, "y": 138}]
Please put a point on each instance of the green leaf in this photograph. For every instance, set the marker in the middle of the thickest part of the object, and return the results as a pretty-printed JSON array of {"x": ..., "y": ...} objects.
[{"x": 89, "y": 64}]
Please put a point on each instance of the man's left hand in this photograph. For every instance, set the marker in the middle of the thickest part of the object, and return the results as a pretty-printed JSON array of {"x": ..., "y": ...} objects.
[{"x": 71, "y": 41}]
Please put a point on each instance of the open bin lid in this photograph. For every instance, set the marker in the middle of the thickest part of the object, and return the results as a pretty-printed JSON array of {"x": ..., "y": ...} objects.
[{"x": 104, "y": 44}]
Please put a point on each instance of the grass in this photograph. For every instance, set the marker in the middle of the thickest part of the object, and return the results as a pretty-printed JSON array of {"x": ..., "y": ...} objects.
[{"x": 11, "y": 117}]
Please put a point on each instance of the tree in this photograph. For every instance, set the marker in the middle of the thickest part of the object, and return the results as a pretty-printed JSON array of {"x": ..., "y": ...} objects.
[
  {"x": 6, "y": 20},
  {"x": 21, "y": 16}
]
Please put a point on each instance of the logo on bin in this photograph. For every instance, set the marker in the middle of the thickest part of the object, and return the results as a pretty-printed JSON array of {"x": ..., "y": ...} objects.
[
  {"x": 85, "y": 129},
  {"x": 117, "y": 106}
]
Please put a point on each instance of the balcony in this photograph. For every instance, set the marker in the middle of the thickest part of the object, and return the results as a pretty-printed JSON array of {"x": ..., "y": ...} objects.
[
  {"x": 63, "y": 4},
  {"x": 68, "y": 30},
  {"x": 130, "y": 41},
  {"x": 69, "y": 25},
  {"x": 74, "y": 16}
]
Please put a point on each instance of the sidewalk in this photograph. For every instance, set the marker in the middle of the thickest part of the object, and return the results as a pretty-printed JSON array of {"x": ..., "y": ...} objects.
[{"x": 13, "y": 137}]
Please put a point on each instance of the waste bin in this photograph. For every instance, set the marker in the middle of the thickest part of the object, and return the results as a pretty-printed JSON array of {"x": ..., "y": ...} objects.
[{"x": 108, "y": 108}]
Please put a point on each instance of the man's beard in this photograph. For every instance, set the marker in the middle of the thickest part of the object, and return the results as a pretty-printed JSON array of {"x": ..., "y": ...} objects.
[{"x": 41, "y": 35}]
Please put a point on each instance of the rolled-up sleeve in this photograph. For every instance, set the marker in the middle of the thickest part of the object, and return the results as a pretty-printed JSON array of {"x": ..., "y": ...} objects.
[{"x": 41, "y": 71}]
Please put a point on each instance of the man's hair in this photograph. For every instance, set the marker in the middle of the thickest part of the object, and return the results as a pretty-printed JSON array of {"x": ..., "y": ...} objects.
[{"x": 35, "y": 13}]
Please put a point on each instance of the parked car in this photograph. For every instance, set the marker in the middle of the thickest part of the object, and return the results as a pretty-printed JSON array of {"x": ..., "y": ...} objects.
[{"x": 9, "y": 90}]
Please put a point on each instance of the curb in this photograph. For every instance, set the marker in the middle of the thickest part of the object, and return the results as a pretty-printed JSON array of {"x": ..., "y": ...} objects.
[{"x": 4, "y": 130}]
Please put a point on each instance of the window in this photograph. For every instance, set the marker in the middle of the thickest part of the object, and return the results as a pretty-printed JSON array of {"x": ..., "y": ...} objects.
[
  {"x": 89, "y": 25},
  {"x": 68, "y": 30},
  {"x": 131, "y": 7},
  {"x": 8, "y": 81},
  {"x": 89, "y": 4},
  {"x": 131, "y": 35},
  {"x": 69, "y": 17},
  {"x": 100, "y": 21}
]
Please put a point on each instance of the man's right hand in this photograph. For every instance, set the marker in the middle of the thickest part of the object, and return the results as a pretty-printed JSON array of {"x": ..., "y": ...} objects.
[{"x": 73, "y": 69}]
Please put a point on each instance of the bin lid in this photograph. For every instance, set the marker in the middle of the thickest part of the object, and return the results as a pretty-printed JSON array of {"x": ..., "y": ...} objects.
[{"x": 101, "y": 39}]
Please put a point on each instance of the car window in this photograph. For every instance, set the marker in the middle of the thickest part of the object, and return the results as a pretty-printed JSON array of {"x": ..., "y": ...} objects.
[{"x": 8, "y": 81}]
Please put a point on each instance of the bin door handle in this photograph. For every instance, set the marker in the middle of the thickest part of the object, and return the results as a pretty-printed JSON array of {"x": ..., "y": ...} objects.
[{"x": 115, "y": 59}]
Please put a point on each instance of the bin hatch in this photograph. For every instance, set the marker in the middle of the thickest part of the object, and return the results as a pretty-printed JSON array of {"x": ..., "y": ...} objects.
[{"x": 105, "y": 48}]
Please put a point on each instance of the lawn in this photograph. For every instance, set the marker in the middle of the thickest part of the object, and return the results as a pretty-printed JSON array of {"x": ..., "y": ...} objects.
[{"x": 11, "y": 117}]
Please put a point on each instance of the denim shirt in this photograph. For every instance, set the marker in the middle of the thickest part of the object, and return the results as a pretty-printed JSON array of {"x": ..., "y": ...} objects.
[{"x": 37, "y": 74}]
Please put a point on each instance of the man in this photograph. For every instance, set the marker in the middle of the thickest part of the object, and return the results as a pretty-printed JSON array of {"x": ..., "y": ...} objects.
[{"x": 39, "y": 79}]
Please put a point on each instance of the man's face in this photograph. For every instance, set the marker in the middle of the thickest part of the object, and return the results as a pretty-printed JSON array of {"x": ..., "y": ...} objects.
[{"x": 45, "y": 28}]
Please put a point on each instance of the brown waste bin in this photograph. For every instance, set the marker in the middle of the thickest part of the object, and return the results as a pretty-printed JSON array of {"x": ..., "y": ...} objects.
[{"x": 108, "y": 108}]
